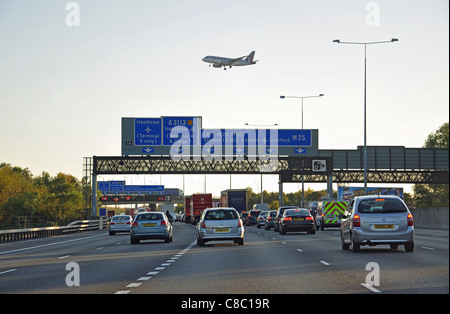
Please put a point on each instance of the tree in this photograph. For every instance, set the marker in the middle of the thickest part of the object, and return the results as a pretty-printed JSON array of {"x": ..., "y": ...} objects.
[{"x": 434, "y": 195}]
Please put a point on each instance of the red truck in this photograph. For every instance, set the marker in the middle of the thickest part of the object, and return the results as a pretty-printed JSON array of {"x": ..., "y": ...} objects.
[
  {"x": 187, "y": 209},
  {"x": 198, "y": 203}
]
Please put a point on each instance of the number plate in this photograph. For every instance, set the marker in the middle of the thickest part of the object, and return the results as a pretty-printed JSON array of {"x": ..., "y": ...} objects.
[
  {"x": 299, "y": 219},
  {"x": 222, "y": 230},
  {"x": 383, "y": 226},
  {"x": 149, "y": 224}
]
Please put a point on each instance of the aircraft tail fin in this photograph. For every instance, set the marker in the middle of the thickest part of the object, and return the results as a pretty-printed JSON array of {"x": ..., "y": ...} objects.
[{"x": 250, "y": 57}]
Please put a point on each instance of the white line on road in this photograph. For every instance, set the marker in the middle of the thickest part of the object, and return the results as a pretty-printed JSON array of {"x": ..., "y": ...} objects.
[
  {"x": 370, "y": 288},
  {"x": 300, "y": 250},
  {"x": 7, "y": 271},
  {"x": 428, "y": 248},
  {"x": 65, "y": 256},
  {"x": 325, "y": 263}
]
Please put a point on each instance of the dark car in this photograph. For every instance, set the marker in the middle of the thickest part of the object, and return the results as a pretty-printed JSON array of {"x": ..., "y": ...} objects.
[
  {"x": 280, "y": 211},
  {"x": 252, "y": 217},
  {"x": 270, "y": 220},
  {"x": 297, "y": 220}
]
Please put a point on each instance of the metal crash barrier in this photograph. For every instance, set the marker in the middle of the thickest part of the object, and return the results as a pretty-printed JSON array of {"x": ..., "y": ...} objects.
[{"x": 35, "y": 233}]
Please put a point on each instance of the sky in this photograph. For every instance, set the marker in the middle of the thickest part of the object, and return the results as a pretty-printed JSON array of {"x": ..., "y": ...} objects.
[{"x": 70, "y": 70}]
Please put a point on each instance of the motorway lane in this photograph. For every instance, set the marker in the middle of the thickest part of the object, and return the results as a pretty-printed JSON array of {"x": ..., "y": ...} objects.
[
  {"x": 106, "y": 263},
  {"x": 271, "y": 263},
  {"x": 267, "y": 263}
]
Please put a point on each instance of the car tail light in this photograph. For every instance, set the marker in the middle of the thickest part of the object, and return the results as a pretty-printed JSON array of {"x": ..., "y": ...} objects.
[
  {"x": 239, "y": 223},
  {"x": 163, "y": 223},
  {"x": 203, "y": 224},
  {"x": 112, "y": 223},
  {"x": 128, "y": 222},
  {"x": 287, "y": 219},
  {"x": 309, "y": 218},
  {"x": 356, "y": 221},
  {"x": 410, "y": 220},
  {"x": 134, "y": 223}
]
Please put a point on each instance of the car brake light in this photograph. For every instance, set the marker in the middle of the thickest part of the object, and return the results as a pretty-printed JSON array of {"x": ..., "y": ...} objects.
[
  {"x": 163, "y": 223},
  {"x": 135, "y": 223},
  {"x": 112, "y": 223},
  {"x": 203, "y": 224},
  {"x": 309, "y": 218},
  {"x": 410, "y": 220},
  {"x": 356, "y": 221},
  {"x": 128, "y": 222},
  {"x": 287, "y": 219}
]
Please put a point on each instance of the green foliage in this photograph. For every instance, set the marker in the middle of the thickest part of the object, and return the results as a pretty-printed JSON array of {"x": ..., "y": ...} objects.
[
  {"x": 51, "y": 200},
  {"x": 434, "y": 195}
]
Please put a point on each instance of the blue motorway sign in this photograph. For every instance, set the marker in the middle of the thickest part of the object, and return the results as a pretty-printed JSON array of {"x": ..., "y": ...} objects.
[
  {"x": 192, "y": 124},
  {"x": 269, "y": 137},
  {"x": 147, "y": 131},
  {"x": 119, "y": 186}
]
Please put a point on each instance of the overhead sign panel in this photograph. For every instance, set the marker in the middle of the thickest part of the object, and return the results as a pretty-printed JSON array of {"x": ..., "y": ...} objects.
[
  {"x": 108, "y": 187},
  {"x": 147, "y": 131},
  {"x": 174, "y": 134}
]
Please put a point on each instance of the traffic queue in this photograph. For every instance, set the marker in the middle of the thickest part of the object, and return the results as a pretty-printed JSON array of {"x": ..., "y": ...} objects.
[{"x": 365, "y": 220}]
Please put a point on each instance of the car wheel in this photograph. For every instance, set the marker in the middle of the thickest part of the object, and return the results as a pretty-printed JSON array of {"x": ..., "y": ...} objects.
[
  {"x": 200, "y": 242},
  {"x": 344, "y": 245},
  {"x": 282, "y": 231},
  {"x": 409, "y": 247},
  {"x": 355, "y": 246},
  {"x": 133, "y": 240}
]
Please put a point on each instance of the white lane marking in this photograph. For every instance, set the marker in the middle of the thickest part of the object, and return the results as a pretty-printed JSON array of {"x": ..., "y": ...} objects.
[
  {"x": 325, "y": 263},
  {"x": 370, "y": 288},
  {"x": 300, "y": 250},
  {"x": 160, "y": 268},
  {"x": 50, "y": 244},
  {"x": 428, "y": 248},
  {"x": 134, "y": 285},
  {"x": 65, "y": 256},
  {"x": 153, "y": 273},
  {"x": 99, "y": 248},
  {"x": 145, "y": 278},
  {"x": 122, "y": 292},
  {"x": 7, "y": 271}
]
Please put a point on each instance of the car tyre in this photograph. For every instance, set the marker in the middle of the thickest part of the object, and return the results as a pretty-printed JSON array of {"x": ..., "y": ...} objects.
[
  {"x": 409, "y": 246},
  {"x": 200, "y": 242},
  {"x": 344, "y": 245},
  {"x": 134, "y": 241},
  {"x": 355, "y": 246}
]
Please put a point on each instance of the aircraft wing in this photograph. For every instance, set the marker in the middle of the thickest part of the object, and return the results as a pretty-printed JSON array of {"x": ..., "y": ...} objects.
[{"x": 237, "y": 59}]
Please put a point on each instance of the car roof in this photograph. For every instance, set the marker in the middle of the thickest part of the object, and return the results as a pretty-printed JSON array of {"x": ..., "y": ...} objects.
[{"x": 377, "y": 196}]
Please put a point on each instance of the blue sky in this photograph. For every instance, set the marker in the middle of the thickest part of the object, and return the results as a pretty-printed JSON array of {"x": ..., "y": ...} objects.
[{"x": 63, "y": 90}]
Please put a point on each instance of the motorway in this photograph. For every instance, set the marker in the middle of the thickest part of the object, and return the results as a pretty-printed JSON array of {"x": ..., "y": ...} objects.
[{"x": 267, "y": 263}]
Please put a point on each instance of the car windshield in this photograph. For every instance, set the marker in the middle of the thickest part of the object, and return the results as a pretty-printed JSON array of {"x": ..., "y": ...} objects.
[
  {"x": 149, "y": 216},
  {"x": 381, "y": 205},
  {"x": 296, "y": 212},
  {"x": 221, "y": 215}
]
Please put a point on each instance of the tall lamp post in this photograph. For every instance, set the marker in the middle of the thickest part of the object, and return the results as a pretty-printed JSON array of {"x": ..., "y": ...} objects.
[
  {"x": 301, "y": 97},
  {"x": 365, "y": 72}
]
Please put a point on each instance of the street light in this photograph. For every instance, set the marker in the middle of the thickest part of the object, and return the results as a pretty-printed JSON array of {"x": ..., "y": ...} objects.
[
  {"x": 320, "y": 95},
  {"x": 365, "y": 72},
  {"x": 303, "y": 181}
]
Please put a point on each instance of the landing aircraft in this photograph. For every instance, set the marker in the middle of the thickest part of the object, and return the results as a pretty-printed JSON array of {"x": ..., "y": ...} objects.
[{"x": 219, "y": 62}]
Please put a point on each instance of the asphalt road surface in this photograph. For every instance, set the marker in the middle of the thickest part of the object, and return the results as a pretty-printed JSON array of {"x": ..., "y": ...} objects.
[{"x": 268, "y": 263}]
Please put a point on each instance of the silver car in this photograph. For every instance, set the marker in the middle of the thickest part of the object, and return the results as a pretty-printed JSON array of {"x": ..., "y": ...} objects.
[
  {"x": 374, "y": 220},
  {"x": 151, "y": 225},
  {"x": 261, "y": 220},
  {"x": 120, "y": 223},
  {"x": 217, "y": 224}
]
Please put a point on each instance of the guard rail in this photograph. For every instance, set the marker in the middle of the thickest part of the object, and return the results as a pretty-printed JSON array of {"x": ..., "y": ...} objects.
[{"x": 34, "y": 233}]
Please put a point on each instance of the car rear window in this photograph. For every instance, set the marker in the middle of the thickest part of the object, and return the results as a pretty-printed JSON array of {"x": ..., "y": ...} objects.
[
  {"x": 221, "y": 215},
  {"x": 149, "y": 216},
  {"x": 121, "y": 218},
  {"x": 381, "y": 205},
  {"x": 294, "y": 212},
  {"x": 254, "y": 213}
]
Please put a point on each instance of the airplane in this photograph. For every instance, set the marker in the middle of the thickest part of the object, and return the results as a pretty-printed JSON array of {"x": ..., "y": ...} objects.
[{"x": 219, "y": 62}]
